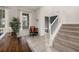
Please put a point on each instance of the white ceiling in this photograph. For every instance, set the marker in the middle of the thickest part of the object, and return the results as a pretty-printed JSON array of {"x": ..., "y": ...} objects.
[
  {"x": 25, "y": 7},
  {"x": 29, "y": 7}
]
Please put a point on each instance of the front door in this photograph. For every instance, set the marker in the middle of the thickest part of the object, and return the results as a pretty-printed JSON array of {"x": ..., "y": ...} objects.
[{"x": 24, "y": 24}]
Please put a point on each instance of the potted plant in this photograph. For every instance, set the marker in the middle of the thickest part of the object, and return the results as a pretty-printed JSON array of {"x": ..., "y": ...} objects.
[{"x": 15, "y": 26}]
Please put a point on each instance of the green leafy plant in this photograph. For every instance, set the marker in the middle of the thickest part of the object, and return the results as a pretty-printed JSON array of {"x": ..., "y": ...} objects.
[{"x": 15, "y": 25}]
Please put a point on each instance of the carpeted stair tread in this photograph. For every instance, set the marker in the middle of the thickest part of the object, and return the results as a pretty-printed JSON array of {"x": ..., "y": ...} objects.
[
  {"x": 70, "y": 29},
  {"x": 67, "y": 46},
  {"x": 74, "y": 25},
  {"x": 74, "y": 33},
  {"x": 61, "y": 47},
  {"x": 67, "y": 38},
  {"x": 70, "y": 43}
]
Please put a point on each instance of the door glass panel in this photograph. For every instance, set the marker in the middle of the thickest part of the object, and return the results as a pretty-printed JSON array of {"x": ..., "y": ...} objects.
[{"x": 25, "y": 21}]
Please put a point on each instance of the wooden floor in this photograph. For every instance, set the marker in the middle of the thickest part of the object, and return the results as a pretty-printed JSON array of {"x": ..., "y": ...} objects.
[{"x": 12, "y": 44}]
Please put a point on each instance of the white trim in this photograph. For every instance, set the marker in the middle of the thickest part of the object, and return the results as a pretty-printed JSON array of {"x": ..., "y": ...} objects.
[
  {"x": 6, "y": 19},
  {"x": 55, "y": 33},
  {"x": 52, "y": 36},
  {"x": 21, "y": 28}
]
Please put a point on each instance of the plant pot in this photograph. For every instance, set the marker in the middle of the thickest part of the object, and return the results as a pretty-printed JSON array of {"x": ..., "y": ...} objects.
[{"x": 13, "y": 34}]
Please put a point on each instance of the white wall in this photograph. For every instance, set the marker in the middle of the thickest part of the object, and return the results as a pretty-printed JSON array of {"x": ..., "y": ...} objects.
[
  {"x": 41, "y": 13},
  {"x": 68, "y": 15},
  {"x": 15, "y": 12},
  {"x": 32, "y": 21}
]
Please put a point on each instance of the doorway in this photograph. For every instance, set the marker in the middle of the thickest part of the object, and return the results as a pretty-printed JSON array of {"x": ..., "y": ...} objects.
[
  {"x": 46, "y": 25},
  {"x": 24, "y": 24}
]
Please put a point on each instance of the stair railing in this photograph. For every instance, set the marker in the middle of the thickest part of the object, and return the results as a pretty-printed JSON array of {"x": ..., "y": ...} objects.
[{"x": 53, "y": 28}]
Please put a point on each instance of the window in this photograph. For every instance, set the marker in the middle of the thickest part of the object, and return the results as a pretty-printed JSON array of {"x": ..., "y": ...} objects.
[{"x": 2, "y": 19}]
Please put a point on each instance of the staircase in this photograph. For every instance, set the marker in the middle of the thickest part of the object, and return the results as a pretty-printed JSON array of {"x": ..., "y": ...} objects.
[{"x": 67, "y": 39}]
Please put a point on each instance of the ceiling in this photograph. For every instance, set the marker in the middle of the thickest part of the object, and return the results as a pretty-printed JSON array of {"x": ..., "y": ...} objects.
[
  {"x": 29, "y": 7},
  {"x": 25, "y": 7}
]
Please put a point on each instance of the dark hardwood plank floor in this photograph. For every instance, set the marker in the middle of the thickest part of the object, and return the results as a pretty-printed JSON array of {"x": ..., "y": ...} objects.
[{"x": 12, "y": 44}]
